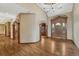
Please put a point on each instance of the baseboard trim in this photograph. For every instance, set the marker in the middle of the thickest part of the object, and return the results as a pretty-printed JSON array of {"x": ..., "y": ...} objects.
[
  {"x": 29, "y": 42},
  {"x": 56, "y": 38},
  {"x": 74, "y": 43},
  {"x": 48, "y": 37}
]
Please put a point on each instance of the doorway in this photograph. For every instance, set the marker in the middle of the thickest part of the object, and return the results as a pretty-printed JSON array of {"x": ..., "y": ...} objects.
[
  {"x": 58, "y": 27},
  {"x": 15, "y": 30},
  {"x": 8, "y": 29},
  {"x": 43, "y": 30}
]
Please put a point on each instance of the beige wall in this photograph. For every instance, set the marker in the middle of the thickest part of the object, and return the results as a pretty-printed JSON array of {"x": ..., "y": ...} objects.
[
  {"x": 76, "y": 24},
  {"x": 49, "y": 26},
  {"x": 7, "y": 28},
  {"x": 6, "y": 24},
  {"x": 28, "y": 28},
  {"x": 2, "y": 29},
  {"x": 11, "y": 30},
  {"x": 69, "y": 25},
  {"x": 39, "y": 16}
]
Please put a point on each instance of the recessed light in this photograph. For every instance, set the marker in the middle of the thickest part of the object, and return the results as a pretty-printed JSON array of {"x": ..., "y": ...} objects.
[
  {"x": 43, "y": 8},
  {"x": 47, "y": 11},
  {"x": 49, "y": 3},
  {"x": 60, "y": 7},
  {"x": 52, "y": 8}
]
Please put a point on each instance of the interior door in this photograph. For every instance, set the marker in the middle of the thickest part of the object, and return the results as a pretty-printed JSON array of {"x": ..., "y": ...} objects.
[{"x": 58, "y": 28}]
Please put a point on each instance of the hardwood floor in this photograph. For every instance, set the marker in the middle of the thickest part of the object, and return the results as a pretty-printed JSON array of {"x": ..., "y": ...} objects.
[{"x": 46, "y": 47}]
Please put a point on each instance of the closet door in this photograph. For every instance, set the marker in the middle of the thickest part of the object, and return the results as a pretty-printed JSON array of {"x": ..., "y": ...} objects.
[{"x": 58, "y": 28}]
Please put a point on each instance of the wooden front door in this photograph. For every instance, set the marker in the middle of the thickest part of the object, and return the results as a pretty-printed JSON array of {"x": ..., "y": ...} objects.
[{"x": 58, "y": 28}]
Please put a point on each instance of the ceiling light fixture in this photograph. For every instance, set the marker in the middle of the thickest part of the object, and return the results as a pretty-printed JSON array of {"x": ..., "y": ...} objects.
[{"x": 49, "y": 3}]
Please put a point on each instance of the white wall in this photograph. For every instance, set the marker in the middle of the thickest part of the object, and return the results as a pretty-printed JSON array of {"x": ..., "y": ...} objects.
[
  {"x": 11, "y": 30},
  {"x": 69, "y": 25},
  {"x": 39, "y": 15},
  {"x": 2, "y": 29},
  {"x": 76, "y": 24},
  {"x": 28, "y": 28},
  {"x": 49, "y": 27},
  {"x": 7, "y": 28}
]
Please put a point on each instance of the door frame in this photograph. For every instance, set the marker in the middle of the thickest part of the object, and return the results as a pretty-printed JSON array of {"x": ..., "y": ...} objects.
[
  {"x": 46, "y": 30},
  {"x": 13, "y": 30},
  {"x": 18, "y": 33},
  {"x": 65, "y": 18},
  {"x": 8, "y": 29},
  {"x": 5, "y": 30},
  {"x": 18, "y": 24}
]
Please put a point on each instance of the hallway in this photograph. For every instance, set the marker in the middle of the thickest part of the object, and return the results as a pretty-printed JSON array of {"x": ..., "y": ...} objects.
[{"x": 45, "y": 47}]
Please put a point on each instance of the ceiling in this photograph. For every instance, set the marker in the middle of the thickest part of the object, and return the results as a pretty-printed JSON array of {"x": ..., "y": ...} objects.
[
  {"x": 8, "y": 11},
  {"x": 52, "y": 9}
]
